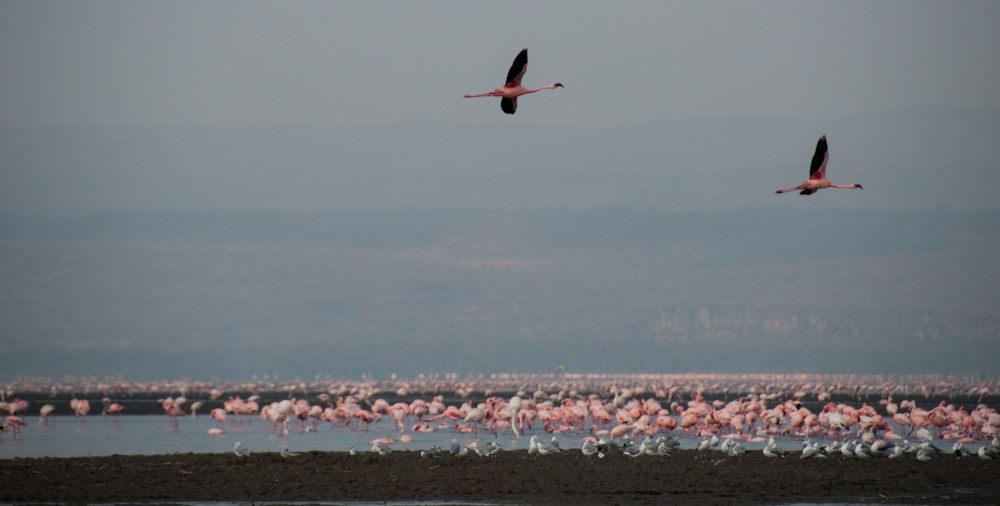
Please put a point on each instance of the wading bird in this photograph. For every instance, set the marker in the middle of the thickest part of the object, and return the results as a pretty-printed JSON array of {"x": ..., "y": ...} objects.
[
  {"x": 817, "y": 173},
  {"x": 513, "y": 88}
]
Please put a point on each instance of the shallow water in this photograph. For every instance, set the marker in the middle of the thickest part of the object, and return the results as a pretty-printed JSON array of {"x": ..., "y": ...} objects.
[{"x": 69, "y": 436}]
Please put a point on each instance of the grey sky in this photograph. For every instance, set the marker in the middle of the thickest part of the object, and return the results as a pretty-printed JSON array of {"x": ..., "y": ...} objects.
[
  {"x": 332, "y": 63},
  {"x": 233, "y": 111}
]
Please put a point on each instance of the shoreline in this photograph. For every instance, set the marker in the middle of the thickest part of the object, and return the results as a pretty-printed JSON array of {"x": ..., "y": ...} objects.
[{"x": 686, "y": 477}]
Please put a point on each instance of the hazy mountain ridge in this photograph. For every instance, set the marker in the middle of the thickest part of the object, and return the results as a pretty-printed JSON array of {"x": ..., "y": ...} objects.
[{"x": 407, "y": 292}]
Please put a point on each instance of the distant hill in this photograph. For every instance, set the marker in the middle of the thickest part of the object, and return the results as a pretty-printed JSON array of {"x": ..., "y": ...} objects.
[{"x": 232, "y": 293}]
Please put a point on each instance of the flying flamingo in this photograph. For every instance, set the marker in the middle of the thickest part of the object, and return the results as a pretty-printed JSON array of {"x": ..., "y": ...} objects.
[
  {"x": 513, "y": 88},
  {"x": 817, "y": 173}
]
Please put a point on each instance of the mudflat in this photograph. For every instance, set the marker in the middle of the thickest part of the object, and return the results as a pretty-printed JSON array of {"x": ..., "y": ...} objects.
[{"x": 686, "y": 477}]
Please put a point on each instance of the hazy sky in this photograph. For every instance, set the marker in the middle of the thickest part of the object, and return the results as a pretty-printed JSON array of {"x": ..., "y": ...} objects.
[
  {"x": 336, "y": 106},
  {"x": 114, "y": 63}
]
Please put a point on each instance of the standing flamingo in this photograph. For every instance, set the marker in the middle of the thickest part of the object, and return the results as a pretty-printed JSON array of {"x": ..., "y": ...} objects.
[
  {"x": 817, "y": 173},
  {"x": 513, "y": 88}
]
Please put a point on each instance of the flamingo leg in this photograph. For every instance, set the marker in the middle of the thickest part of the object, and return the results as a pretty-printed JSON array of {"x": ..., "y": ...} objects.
[
  {"x": 789, "y": 189},
  {"x": 490, "y": 94}
]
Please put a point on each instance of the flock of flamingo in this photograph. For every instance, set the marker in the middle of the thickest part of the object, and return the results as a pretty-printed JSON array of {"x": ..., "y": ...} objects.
[
  {"x": 606, "y": 410},
  {"x": 508, "y": 103}
]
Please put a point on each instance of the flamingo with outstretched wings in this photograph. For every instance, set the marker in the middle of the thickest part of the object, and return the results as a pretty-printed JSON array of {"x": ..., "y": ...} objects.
[
  {"x": 817, "y": 173},
  {"x": 513, "y": 88}
]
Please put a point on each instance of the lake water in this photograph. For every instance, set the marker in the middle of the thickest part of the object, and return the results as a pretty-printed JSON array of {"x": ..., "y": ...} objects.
[{"x": 69, "y": 436}]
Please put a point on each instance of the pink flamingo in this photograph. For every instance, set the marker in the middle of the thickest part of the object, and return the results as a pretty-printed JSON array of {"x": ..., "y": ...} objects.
[
  {"x": 817, "y": 173},
  {"x": 513, "y": 88},
  {"x": 45, "y": 412},
  {"x": 14, "y": 423},
  {"x": 114, "y": 410}
]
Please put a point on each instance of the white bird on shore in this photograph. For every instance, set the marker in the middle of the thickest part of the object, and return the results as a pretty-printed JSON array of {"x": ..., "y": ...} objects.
[
  {"x": 927, "y": 447},
  {"x": 285, "y": 453},
  {"x": 987, "y": 453},
  {"x": 847, "y": 450},
  {"x": 381, "y": 448},
  {"x": 736, "y": 450},
  {"x": 863, "y": 452},
  {"x": 959, "y": 450},
  {"x": 635, "y": 450},
  {"x": 897, "y": 451},
  {"x": 589, "y": 450},
  {"x": 773, "y": 451},
  {"x": 241, "y": 450},
  {"x": 881, "y": 448},
  {"x": 704, "y": 444},
  {"x": 480, "y": 449},
  {"x": 547, "y": 449},
  {"x": 532, "y": 446},
  {"x": 726, "y": 444}
]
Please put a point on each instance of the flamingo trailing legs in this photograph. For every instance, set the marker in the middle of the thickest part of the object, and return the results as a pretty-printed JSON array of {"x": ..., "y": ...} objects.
[
  {"x": 513, "y": 88},
  {"x": 817, "y": 173}
]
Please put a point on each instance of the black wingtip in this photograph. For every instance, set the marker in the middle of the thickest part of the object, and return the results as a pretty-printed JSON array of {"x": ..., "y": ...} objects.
[{"x": 507, "y": 105}]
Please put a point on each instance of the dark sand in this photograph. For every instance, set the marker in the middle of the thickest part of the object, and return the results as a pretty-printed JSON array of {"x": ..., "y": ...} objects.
[{"x": 685, "y": 478}]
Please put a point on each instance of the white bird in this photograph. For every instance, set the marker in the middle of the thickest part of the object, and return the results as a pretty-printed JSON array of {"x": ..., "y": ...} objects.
[
  {"x": 589, "y": 450},
  {"x": 863, "y": 452},
  {"x": 923, "y": 456},
  {"x": 959, "y": 450},
  {"x": 810, "y": 451},
  {"x": 726, "y": 444},
  {"x": 704, "y": 444},
  {"x": 533, "y": 446},
  {"x": 241, "y": 450},
  {"x": 847, "y": 450},
  {"x": 381, "y": 448},
  {"x": 987, "y": 453},
  {"x": 737, "y": 450},
  {"x": 547, "y": 449},
  {"x": 493, "y": 448},
  {"x": 714, "y": 441},
  {"x": 285, "y": 453},
  {"x": 880, "y": 448},
  {"x": 353, "y": 452},
  {"x": 927, "y": 447},
  {"x": 455, "y": 447},
  {"x": 773, "y": 451},
  {"x": 555, "y": 442},
  {"x": 636, "y": 450},
  {"x": 897, "y": 451},
  {"x": 480, "y": 449}
]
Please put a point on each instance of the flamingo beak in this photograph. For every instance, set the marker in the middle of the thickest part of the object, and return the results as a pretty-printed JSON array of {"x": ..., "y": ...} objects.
[
  {"x": 559, "y": 85},
  {"x": 861, "y": 187}
]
